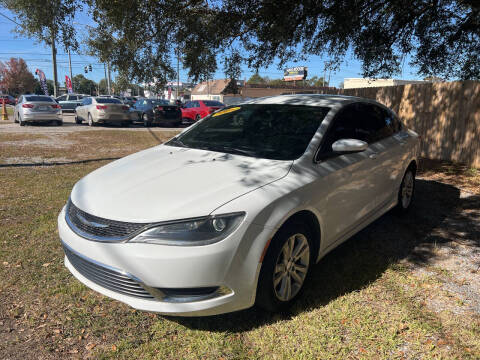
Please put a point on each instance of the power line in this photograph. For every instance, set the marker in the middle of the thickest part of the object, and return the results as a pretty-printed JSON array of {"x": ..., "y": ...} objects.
[{"x": 6, "y": 17}]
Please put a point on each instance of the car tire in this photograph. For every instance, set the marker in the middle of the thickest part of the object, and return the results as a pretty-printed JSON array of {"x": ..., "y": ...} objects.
[
  {"x": 125, "y": 123},
  {"x": 406, "y": 191},
  {"x": 146, "y": 122},
  {"x": 284, "y": 273},
  {"x": 59, "y": 122},
  {"x": 90, "y": 120},
  {"x": 197, "y": 117},
  {"x": 20, "y": 121},
  {"x": 77, "y": 120}
]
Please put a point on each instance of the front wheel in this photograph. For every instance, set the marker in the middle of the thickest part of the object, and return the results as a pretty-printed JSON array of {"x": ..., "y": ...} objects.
[
  {"x": 197, "y": 117},
  {"x": 77, "y": 120},
  {"x": 285, "y": 268},
  {"x": 407, "y": 190}
]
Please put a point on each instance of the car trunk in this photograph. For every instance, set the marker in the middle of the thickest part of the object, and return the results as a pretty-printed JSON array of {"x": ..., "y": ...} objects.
[
  {"x": 42, "y": 107},
  {"x": 169, "y": 111}
]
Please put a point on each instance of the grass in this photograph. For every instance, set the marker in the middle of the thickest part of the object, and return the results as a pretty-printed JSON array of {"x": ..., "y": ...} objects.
[{"x": 364, "y": 301}]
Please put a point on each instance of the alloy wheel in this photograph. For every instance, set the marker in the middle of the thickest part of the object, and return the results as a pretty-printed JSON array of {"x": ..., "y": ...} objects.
[
  {"x": 407, "y": 189},
  {"x": 291, "y": 267}
]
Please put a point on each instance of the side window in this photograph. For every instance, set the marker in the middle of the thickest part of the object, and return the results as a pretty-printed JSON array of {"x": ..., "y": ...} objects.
[
  {"x": 394, "y": 122},
  {"x": 195, "y": 104},
  {"x": 188, "y": 105},
  {"x": 62, "y": 98},
  {"x": 73, "y": 97},
  {"x": 378, "y": 121}
]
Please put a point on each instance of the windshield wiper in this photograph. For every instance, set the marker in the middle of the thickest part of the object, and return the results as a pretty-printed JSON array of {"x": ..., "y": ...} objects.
[
  {"x": 176, "y": 142},
  {"x": 228, "y": 149}
]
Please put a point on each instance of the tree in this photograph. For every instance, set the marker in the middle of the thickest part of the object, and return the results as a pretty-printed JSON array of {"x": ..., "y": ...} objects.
[
  {"x": 47, "y": 21},
  {"x": 82, "y": 85},
  {"x": 316, "y": 81},
  {"x": 442, "y": 37},
  {"x": 17, "y": 79},
  {"x": 256, "y": 79}
]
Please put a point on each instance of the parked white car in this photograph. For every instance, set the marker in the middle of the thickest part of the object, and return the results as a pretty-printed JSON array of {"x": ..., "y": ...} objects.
[
  {"x": 37, "y": 108},
  {"x": 98, "y": 109},
  {"x": 238, "y": 208}
]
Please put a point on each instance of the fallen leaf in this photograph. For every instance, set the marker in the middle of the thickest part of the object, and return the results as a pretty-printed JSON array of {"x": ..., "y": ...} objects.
[
  {"x": 57, "y": 331},
  {"x": 114, "y": 347},
  {"x": 46, "y": 264},
  {"x": 90, "y": 346}
]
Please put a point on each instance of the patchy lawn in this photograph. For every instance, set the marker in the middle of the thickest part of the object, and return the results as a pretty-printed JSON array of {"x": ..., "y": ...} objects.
[{"x": 404, "y": 288}]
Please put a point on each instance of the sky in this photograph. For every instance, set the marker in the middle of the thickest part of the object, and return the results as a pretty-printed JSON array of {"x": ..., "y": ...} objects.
[{"x": 39, "y": 56}]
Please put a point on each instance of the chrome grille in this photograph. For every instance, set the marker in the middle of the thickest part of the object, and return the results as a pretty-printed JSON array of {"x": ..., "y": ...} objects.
[
  {"x": 106, "y": 277},
  {"x": 99, "y": 229}
]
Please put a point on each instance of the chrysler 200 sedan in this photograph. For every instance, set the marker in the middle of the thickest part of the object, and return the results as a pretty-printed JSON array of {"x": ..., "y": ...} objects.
[{"x": 238, "y": 208}]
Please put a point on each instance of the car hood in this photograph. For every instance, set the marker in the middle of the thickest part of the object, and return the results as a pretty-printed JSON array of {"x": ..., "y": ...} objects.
[{"x": 167, "y": 183}]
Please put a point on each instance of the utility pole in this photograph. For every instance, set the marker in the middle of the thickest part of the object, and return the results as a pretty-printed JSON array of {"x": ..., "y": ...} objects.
[
  {"x": 108, "y": 78},
  {"x": 178, "y": 72},
  {"x": 324, "y": 74},
  {"x": 70, "y": 64},
  {"x": 54, "y": 61}
]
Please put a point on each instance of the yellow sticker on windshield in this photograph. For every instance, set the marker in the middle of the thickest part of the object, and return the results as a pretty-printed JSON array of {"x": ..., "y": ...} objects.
[{"x": 226, "y": 111}]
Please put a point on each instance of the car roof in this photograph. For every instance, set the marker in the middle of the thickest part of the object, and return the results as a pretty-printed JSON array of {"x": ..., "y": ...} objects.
[{"x": 309, "y": 99}]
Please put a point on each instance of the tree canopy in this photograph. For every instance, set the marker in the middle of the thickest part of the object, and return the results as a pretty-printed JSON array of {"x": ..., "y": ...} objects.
[{"x": 440, "y": 37}]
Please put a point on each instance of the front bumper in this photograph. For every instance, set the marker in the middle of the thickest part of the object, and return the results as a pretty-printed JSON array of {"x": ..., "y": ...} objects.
[{"x": 224, "y": 266}]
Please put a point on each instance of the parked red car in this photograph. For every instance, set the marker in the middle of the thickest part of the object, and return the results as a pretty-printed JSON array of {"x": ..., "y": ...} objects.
[
  {"x": 8, "y": 99},
  {"x": 195, "y": 110}
]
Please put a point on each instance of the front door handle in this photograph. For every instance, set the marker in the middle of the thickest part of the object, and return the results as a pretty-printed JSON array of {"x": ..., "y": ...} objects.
[{"x": 373, "y": 156}]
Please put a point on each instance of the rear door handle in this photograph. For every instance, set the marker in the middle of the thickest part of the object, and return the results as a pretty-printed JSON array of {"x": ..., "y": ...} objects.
[{"x": 373, "y": 156}]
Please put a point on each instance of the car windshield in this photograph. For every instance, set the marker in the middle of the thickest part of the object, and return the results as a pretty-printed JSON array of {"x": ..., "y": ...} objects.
[
  {"x": 279, "y": 132},
  {"x": 107, "y": 101},
  {"x": 212, "y": 103},
  {"x": 39, "y": 98}
]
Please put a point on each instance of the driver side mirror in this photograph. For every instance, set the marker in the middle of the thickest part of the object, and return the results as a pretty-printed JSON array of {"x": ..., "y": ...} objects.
[{"x": 349, "y": 146}]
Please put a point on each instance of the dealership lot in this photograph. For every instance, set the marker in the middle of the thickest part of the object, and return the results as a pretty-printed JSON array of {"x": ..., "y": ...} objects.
[
  {"x": 410, "y": 292},
  {"x": 67, "y": 127}
]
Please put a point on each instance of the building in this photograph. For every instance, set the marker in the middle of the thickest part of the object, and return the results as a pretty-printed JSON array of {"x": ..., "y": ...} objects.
[{"x": 355, "y": 83}]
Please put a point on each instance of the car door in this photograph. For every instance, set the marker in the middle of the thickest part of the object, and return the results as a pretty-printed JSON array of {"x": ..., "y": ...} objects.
[
  {"x": 391, "y": 153},
  {"x": 347, "y": 181}
]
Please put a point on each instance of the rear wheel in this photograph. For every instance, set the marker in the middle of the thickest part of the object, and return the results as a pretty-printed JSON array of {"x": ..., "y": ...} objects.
[
  {"x": 59, "y": 122},
  {"x": 90, "y": 120},
  {"x": 407, "y": 191},
  {"x": 285, "y": 268},
  {"x": 22, "y": 123},
  {"x": 77, "y": 119}
]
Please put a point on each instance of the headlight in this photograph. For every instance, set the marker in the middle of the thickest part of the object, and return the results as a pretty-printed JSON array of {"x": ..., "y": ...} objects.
[{"x": 191, "y": 232}]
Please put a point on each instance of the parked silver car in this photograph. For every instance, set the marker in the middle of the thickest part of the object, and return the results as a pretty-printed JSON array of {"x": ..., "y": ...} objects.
[
  {"x": 37, "y": 108},
  {"x": 96, "y": 110}
]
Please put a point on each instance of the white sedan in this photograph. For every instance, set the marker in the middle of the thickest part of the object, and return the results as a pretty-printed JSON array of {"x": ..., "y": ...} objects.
[{"x": 238, "y": 208}]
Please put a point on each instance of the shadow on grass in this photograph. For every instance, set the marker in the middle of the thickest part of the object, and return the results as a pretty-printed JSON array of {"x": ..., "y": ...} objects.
[
  {"x": 365, "y": 257},
  {"x": 56, "y": 163}
]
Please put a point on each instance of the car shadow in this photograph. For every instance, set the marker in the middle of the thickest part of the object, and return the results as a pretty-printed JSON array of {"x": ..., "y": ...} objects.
[{"x": 437, "y": 209}]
